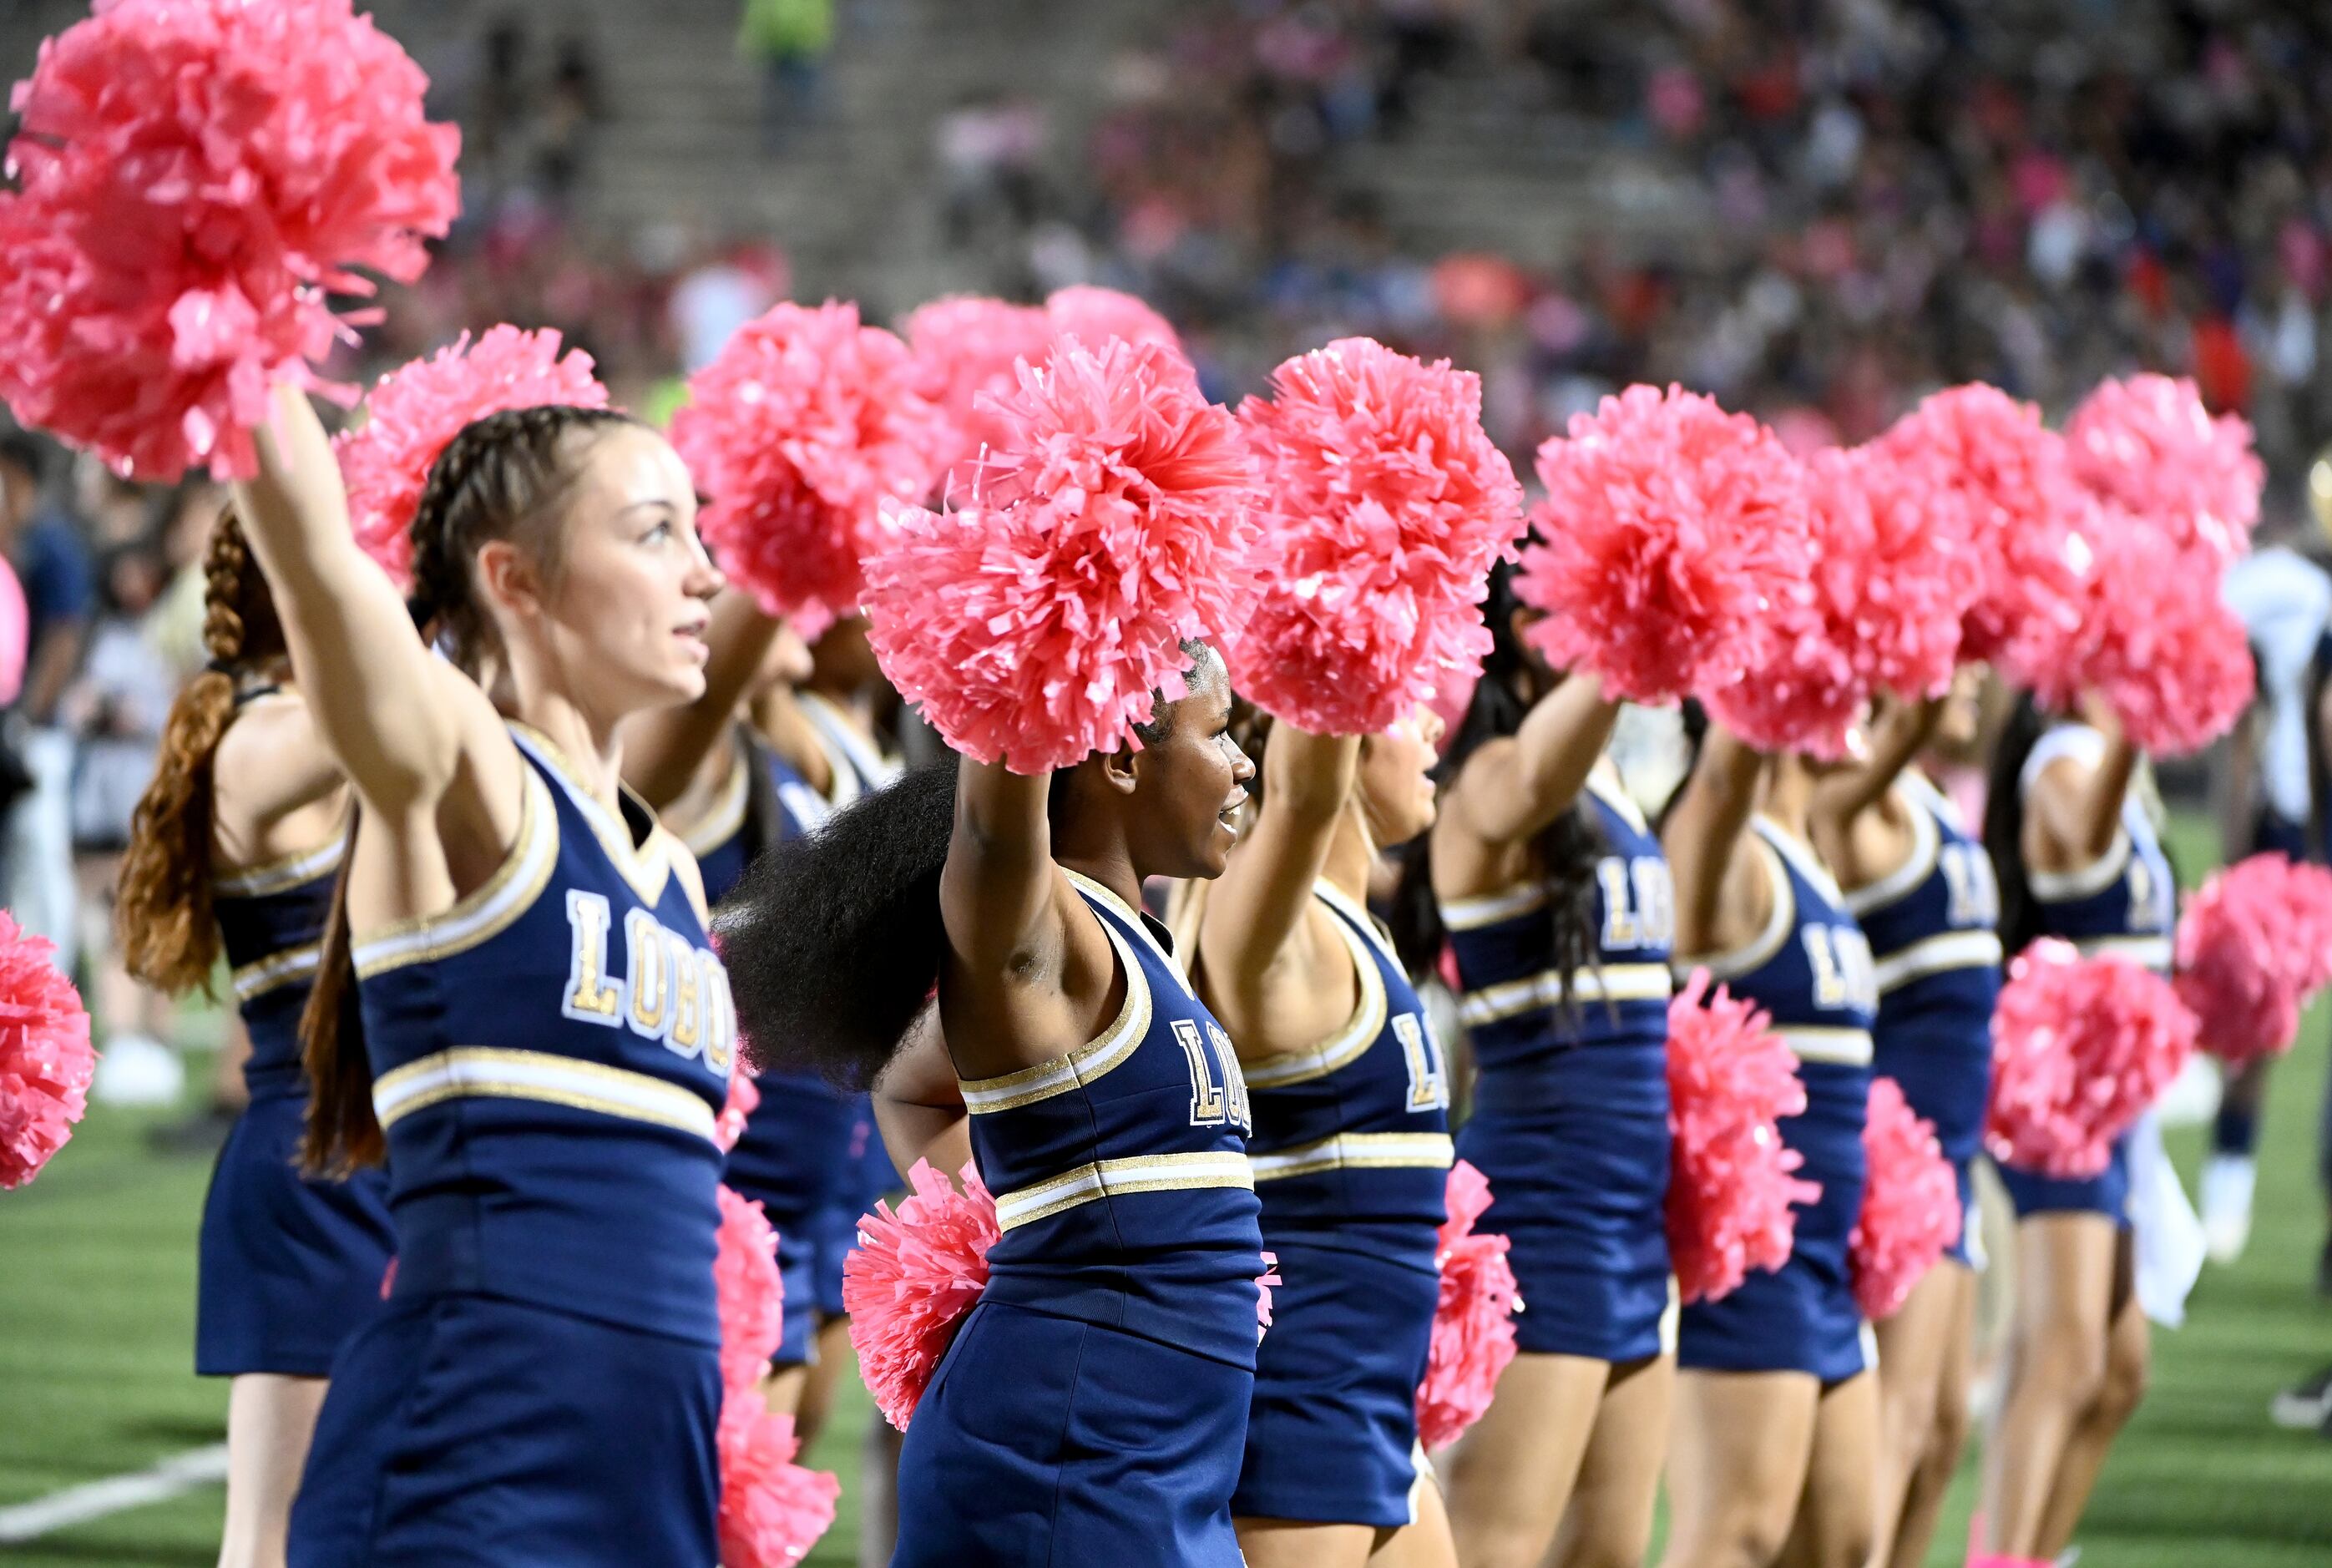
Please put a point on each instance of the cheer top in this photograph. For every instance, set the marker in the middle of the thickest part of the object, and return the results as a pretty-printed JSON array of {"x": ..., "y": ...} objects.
[
  {"x": 1121, "y": 1175},
  {"x": 549, "y": 1057},
  {"x": 2127, "y": 902},
  {"x": 272, "y": 921},
  {"x": 1352, "y": 1137},
  {"x": 1513, "y": 1005},
  {"x": 1811, "y": 970}
]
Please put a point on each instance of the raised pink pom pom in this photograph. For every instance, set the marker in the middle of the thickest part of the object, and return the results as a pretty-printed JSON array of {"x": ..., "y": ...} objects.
[
  {"x": 2149, "y": 446},
  {"x": 1731, "y": 1196},
  {"x": 1910, "y": 1203},
  {"x": 750, "y": 1291},
  {"x": 1093, "y": 316},
  {"x": 916, "y": 1273},
  {"x": 2253, "y": 946},
  {"x": 801, "y": 430},
  {"x": 195, "y": 176},
  {"x": 1671, "y": 533},
  {"x": 1990, "y": 458},
  {"x": 772, "y": 1510},
  {"x": 744, "y": 1099},
  {"x": 1034, "y": 624},
  {"x": 1386, "y": 507},
  {"x": 2079, "y": 1048},
  {"x": 1474, "y": 1326},
  {"x": 967, "y": 350},
  {"x": 45, "y": 1060},
  {"x": 415, "y": 412}
]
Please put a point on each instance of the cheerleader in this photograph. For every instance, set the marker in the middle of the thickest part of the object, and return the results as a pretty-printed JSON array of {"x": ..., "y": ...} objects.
[
  {"x": 2078, "y": 857},
  {"x": 516, "y": 1002},
  {"x": 1777, "y": 1412},
  {"x": 1922, "y": 890},
  {"x": 1351, "y": 1149},
  {"x": 233, "y": 848},
  {"x": 1093, "y": 1407},
  {"x": 1556, "y": 902}
]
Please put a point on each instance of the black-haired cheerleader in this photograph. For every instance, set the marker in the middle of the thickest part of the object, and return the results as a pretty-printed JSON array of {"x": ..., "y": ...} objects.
[
  {"x": 1556, "y": 897},
  {"x": 1093, "y": 1407},
  {"x": 1777, "y": 1413},
  {"x": 234, "y": 848},
  {"x": 2078, "y": 857},
  {"x": 1923, "y": 891},
  {"x": 1351, "y": 1151},
  {"x": 516, "y": 1002}
]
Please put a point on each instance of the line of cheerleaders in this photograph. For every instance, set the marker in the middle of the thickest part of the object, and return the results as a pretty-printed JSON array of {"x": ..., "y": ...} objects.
[{"x": 445, "y": 851}]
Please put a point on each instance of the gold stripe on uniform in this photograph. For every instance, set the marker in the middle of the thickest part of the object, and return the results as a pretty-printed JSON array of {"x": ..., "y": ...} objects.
[
  {"x": 1346, "y": 1151},
  {"x": 1937, "y": 954},
  {"x": 507, "y": 894},
  {"x": 281, "y": 875},
  {"x": 468, "y": 1072},
  {"x": 1490, "y": 908},
  {"x": 726, "y": 815},
  {"x": 2151, "y": 951},
  {"x": 1813, "y": 1043},
  {"x": 1116, "y": 1178},
  {"x": 276, "y": 970},
  {"x": 1343, "y": 1047},
  {"x": 1619, "y": 982},
  {"x": 983, "y": 1096}
]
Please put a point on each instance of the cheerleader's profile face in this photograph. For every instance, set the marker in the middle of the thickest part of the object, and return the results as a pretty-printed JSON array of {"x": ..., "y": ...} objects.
[
  {"x": 1190, "y": 784},
  {"x": 627, "y": 608},
  {"x": 1396, "y": 777}
]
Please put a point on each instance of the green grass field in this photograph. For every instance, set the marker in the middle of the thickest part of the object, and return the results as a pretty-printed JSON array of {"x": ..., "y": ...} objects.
[{"x": 96, "y": 1286}]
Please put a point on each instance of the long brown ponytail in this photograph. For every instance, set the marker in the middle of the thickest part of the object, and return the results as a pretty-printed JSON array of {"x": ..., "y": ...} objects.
[
  {"x": 162, "y": 909},
  {"x": 500, "y": 477}
]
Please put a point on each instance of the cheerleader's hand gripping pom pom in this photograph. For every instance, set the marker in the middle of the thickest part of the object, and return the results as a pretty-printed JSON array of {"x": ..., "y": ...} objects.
[
  {"x": 801, "y": 431},
  {"x": 916, "y": 1272},
  {"x": 1386, "y": 507},
  {"x": 1910, "y": 1204},
  {"x": 45, "y": 1060},
  {"x": 1731, "y": 1080},
  {"x": 414, "y": 413},
  {"x": 772, "y": 1511},
  {"x": 1669, "y": 533},
  {"x": 1472, "y": 1326},
  {"x": 2149, "y": 446},
  {"x": 966, "y": 346},
  {"x": 1989, "y": 460},
  {"x": 2079, "y": 1048},
  {"x": 193, "y": 178},
  {"x": 1033, "y": 624},
  {"x": 2252, "y": 946}
]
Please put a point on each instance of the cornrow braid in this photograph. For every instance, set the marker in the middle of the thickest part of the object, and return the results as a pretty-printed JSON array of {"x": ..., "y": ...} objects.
[{"x": 163, "y": 914}]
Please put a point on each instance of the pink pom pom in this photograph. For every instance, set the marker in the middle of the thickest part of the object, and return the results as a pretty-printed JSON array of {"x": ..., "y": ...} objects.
[
  {"x": 916, "y": 1273},
  {"x": 1034, "y": 624},
  {"x": 2079, "y": 1048},
  {"x": 1910, "y": 1203},
  {"x": 45, "y": 1060},
  {"x": 967, "y": 349},
  {"x": 14, "y": 628},
  {"x": 1671, "y": 532},
  {"x": 2149, "y": 446},
  {"x": 744, "y": 1099},
  {"x": 1264, "y": 1282},
  {"x": 751, "y": 1292},
  {"x": 2253, "y": 946},
  {"x": 1474, "y": 1326},
  {"x": 195, "y": 176},
  {"x": 772, "y": 1510},
  {"x": 1387, "y": 506},
  {"x": 1094, "y": 316},
  {"x": 1987, "y": 457},
  {"x": 1731, "y": 1080},
  {"x": 415, "y": 411},
  {"x": 801, "y": 430}
]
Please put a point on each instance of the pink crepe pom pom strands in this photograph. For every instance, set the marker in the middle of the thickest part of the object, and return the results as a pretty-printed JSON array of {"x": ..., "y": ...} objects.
[
  {"x": 193, "y": 178},
  {"x": 1473, "y": 1327},
  {"x": 1910, "y": 1204},
  {"x": 2147, "y": 446},
  {"x": 917, "y": 1271},
  {"x": 46, "y": 1059},
  {"x": 2254, "y": 946},
  {"x": 772, "y": 1510}
]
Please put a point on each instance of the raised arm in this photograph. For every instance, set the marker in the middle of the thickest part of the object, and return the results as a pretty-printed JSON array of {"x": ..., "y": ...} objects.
[
  {"x": 393, "y": 712},
  {"x": 1901, "y": 733},
  {"x": 2077, "y": 808},
  {"x": 663, "y": 748},
  {"x": 996, "y": 889},
  {"x": 1702, "y": 830},
  {"x": 1258, "y": 905},
  {"x": 1511, "y": 788},
  {"x": 919, "y": 1105}
]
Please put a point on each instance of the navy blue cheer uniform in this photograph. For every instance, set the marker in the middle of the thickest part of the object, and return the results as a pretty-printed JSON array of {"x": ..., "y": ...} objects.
[
  {"x": 2126, "y": 904},
  {"x": 1570, "y": 1120},
  {"x": 1093, "y": 1408},
  {"x": 289, "y": 1267},
  {"x": 1811, "y": 970},
  {"x": 1351, "y": 1162},
  {"x": 1933, "y": 925},
  {"x": 549, "y": 1057}
]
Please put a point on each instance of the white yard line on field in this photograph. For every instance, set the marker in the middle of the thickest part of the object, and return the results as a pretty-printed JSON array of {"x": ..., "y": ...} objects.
[{"x": 114, "y": 1495}]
